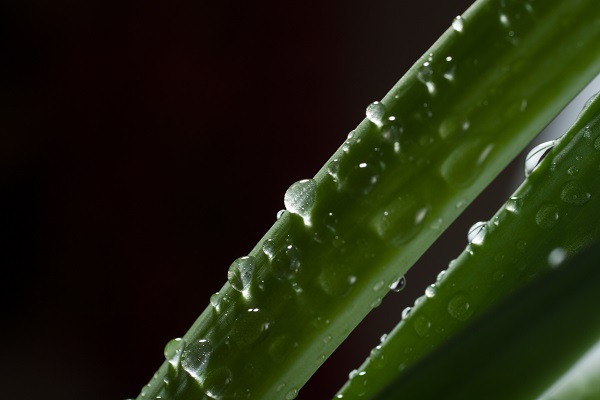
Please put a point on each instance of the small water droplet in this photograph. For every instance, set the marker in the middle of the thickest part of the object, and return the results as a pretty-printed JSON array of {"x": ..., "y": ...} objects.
[
  {"x": 425, "y": 75},
  {"x": 249, "y": 327},
  {"x": 377, "y": 358},
  {"x": 241, "y": 272},
  {"x": 335, "y": 280},
  {"x": 536, "y": 155},
  {"x": 173, "y": 351},
  {"x": 575, "y": 193},
  {"x": 358, "y": 384},
  {"x": 300, "y": 198},
  {"x": 383, "y": 338},
  {"x": 280, "y": 387},
  {"x": 398, "y": 285},
  {"x": 285, "y": 264},
  {"x": 216, "y": 382},
  {"x": 421, "y": 326},
  {"x": 352, "y": 374},
  {"x": 375, "y": 113},
  {"x": 477, "y": 233},
  {"x": 378, "y": 286},
  {"x": 376, "y": 303},
  {"x": 597, "y": 143},
  {"x": 459, "y": 307},
  {"x": 504, "y": 19},
  {"x": 280, "y": 213},
  {"x": 547, "y": 216},
  {"x": 587, "y": 132},
  {"x": 430, "y": 290},
  {"x": 291, "y": 394},
  {"x": 327, "y": 339},
  {"x": 457, "y": 24},
  {"x": 440, "y": 276},
  {"x": 556, "y": 257},
  {"x": 573, "y": 170},
  {"x": 268, "y": 248},
  {"x": 402, "y": 220},
  {"x": 514, "y": 204},
  {"x": 436, "y": 224},
  {"x": 333, "y": 169},
  {"x": 195, "y": 356},
  {"x": 405, "y": 312}
]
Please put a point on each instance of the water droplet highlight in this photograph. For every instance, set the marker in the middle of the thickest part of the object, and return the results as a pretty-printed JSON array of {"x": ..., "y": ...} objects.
[
  {"x": 556, "y": 257},
  {"x": 399, "y": 285},
  {"x": 547, "y": 216},
  {"x": 300, "y": 198},
  {"x": 457, "y": 24},
  {"x": 459, "y": 307},
  {"x": 375, "y": 113},
  {"x": 536, "y": 155},
  {"x": 477, "y": 233},
  {"x": 575, "y": 193},
  {"x": 173, "y": 351},
  {"x": 241, "y": 272},
  {"x": 195, "y": 356}
]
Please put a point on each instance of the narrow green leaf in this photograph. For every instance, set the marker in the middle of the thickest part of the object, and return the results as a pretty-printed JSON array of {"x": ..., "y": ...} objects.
[
  {"x": 537, "y": 345},
  {"x": 425, "y": 151},
  {"x": 553, "y": 215}
]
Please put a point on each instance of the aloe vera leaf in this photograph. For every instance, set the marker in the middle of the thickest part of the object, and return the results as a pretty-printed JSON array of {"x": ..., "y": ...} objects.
[
  {"x": 528, "y": 346},
  {"x": 432, "y": 144},
  {"x": 552, "y": 216}
]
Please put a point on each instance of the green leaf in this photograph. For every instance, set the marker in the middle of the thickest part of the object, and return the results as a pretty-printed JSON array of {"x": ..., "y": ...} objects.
[
  {"x": 543, "y": 343},
  {"x": 551, "y": 217},
  {"x": 425, "y": 151}
]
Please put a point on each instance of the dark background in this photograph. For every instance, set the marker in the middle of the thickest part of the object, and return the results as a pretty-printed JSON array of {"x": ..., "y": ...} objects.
[{"x": 146, "y": 145}]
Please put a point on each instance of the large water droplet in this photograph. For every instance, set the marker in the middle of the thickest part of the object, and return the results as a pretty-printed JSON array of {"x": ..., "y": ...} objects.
[
  {"x": 358, "y": 384},
  {"x": 240, "y": 273},
  {"x": 459, "y": 307},
  {"x": 575, "y": 193},
  {"x": 249, "y": 327},
  {"x": 173, "y": 351},
  {"x": 477, "y": 233},
  {"x": 457, "y": 24},
  {"x": 536, "y": 155},
  {"x": 398, "y": 285},
  {"x": 300, "y": 198},
  {"x": 216, "y": 382},
  {"x": 195, "y": 356},
  {"x": 375, "y": 113},
  {"x": 547, "y": 216}
]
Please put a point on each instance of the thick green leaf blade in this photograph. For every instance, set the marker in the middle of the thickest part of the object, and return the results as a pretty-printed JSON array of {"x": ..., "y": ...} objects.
[
  {"x": 537, "y": 345},
  {"x": 433, "y": 143}
]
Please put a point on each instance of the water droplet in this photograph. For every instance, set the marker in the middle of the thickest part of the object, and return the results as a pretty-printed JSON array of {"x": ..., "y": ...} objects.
[
  {"x": 405, "y": 312},
  {"x": 280, "y": 387},
  {"x": 536, "y": 155},
  {"x": 421, "y": 325},
  {"x": 430, "y": 290},
  {"x": 285, "y": 264},
  {"x": 280, "y": 213},
  {"x": 402, "y": 220},
  {"x": 378, "y": 286},
  {"x": 425, "y": 75},
  {"x": 375, "y": 113},
  {"x": 440, "y": 276},
  {"x": 220, "y": 301},
  {"x": 521, "y": 245},
  {"x": 597, "y": 143},
  {"x": 335, "y": 281},
  {"x": 457, "y": 24},
  {"x": 358, "y": 384},
  {"x": 248, "y": 327},
  {"x": 240, "y": 273},
  {"x": 383, "y": 338},
  {"x": 377, "y": 358},
  {"x": 587, "y": 132},
  {"x": 514, "y": 204},
  {"x": 504, "y": 19},
  {"x": 195, "y": 356},
  {"x": 333, "y": 169},
  {"x": 327, "y": 339},
  {"x": 391, "y": 134},
  {"x": 573, "y": 170},
  {"x": 459, "y": 307},
  {"x": 477, "y": 233},
  {"x": 268, "y": 248},
  {"x": 216, "y": 382},
  {"x": 293, "y": 392},
  {"x": 173, "y": 351},
  {"x": 398, "y": 285},
  {"x": 376, "y": 303},
  {"x": 352, "y": 374},
  {"x": 556, "y": 257},
  {"x": 300, "y": 198},
  {"x": 547, "y": 216},
  {"x": 575, "y": 193},
  {"x": 361, "y": 178}
]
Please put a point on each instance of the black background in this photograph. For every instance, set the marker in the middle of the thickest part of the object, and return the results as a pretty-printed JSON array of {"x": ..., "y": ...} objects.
[{"x": 146, "y": 145}]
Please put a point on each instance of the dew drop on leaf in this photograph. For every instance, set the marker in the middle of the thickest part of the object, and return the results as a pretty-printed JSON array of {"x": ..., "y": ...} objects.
[
  {"x": 195, "y": 356},
  {"x": 173, "y": 351},
  {"x": 477, "y": 232},
  {"x": 459, "y": 307},
  {"x": 547, "y": 216},
  {"x": 375, "y": 113},
  {"x": 457, "y": 24},
  {"x": 300, "y": 198},
  {"x": 536, "y": 155}
]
